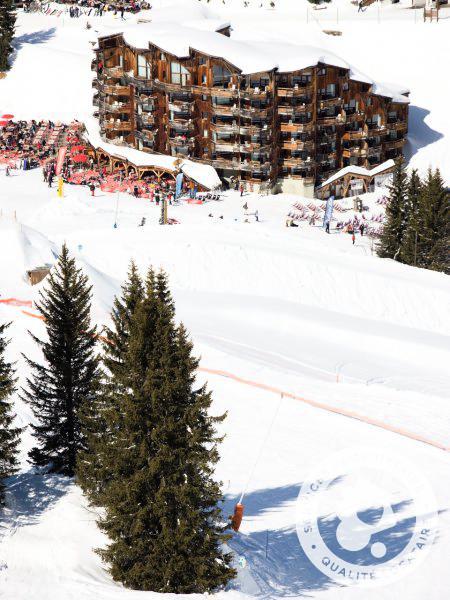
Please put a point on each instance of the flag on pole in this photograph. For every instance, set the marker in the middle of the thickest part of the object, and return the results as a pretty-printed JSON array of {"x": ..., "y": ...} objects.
[
  {"x": 328, "y": 211},
  {"x": 60, "y": 159}
]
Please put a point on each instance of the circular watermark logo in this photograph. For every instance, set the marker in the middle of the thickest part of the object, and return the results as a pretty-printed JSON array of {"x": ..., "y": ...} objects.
[{"x": 366, "y": 517}]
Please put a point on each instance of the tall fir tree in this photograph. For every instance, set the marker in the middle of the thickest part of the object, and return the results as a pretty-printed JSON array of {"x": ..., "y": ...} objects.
[
  {"x": 391, "y": 238},
  {"x": 69, "y": 376},
  {"x": 162, "y": 510},
  {"x": 94, "y": 465},
  {"x": 433, "y": 244},
  {"x": 7, "y": 28},
  {"x": 9, "y": 435},
  {"x": 409, "y": 241}
]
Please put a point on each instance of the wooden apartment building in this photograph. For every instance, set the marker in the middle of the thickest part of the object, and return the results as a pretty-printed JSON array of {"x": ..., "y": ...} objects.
[{"x": 249, "y": 114}]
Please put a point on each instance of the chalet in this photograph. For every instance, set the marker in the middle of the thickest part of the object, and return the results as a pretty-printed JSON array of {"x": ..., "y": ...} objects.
[{"x": 277, "y": 116}]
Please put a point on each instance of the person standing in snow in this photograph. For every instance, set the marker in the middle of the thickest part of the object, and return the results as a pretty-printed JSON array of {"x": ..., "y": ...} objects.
[
  {"x": 92, "y": 188},
  {"x": 353, "y": 237},
  {"x": 327, "y": 227},
  {"x": 361, "y": 229},
  {"x": 256, "y": 216},
  {"x": 241, "y": 189}
]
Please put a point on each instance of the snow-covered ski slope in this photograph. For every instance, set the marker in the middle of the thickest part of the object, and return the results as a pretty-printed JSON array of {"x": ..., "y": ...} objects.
[
  {"x": 293, "y": 309},
  {"x": 289, "y": 308}
]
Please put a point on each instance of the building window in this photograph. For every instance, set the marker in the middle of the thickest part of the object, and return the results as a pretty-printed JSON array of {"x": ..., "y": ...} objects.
[
  {"x": 179, "y": 74},
  {"x": 221, "y": 76},
  {"x": 143, "y": 67}
]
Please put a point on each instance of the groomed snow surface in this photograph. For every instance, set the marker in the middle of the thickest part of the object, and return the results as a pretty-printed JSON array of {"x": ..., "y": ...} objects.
[{"x": 294, "y": 309}]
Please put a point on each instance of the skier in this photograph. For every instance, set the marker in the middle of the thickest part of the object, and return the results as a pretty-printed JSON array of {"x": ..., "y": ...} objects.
[
  {"x": 241, "y": 189},
  {"x": 142, "y": 223},
  {"x": 361, "y": 229},
  {"x": 136, "y": 191},
  {"x": 245, "y": 206},
  {"x": 327, "y": 227},
  {"x": 353, "y": 237},
  {"x": 92, "y": 188},
  {"x": 360, "y": 6},
  {"x": 256, "y": 216},
  {"x": 50, "y": 179}
]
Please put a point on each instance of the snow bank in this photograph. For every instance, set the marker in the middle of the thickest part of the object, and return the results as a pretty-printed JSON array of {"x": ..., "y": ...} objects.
[{"x": 205, "y": 175}]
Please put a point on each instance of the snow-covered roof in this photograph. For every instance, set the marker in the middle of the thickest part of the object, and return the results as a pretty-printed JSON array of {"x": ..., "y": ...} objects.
[
  {"x": 249, "y": 57},
  {"x": 205, "y": 175},
  {"x": 355, "y": 170}
]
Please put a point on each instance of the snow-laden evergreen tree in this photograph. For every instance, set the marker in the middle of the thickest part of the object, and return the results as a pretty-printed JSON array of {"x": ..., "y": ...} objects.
[
  {"x": 391, "y": 238},
  {"x": 162, "y": 510},
  {"x": 7, "y": 28},
  {"x": 409, "y": 241},
  {"x": 9, "y": 435},
  {"x": 69, "y": 375},
  {"x": 433, "y": 245},
  {"x": 94, "y": 469}
]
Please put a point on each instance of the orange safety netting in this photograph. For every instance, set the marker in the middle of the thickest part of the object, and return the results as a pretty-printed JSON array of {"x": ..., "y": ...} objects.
[{"x": 16, "y": 302}]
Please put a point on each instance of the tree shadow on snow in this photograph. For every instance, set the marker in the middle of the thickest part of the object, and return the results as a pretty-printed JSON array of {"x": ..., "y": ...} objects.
[
  {"x": 419, "y": 133},
  {"x": 31, "y": 494},
  {"x": 35, "y": 37},
  {"x": 286, "y": 570}
]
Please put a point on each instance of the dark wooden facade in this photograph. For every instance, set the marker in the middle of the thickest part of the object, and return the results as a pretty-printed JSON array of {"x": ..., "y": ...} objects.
[{"x": 291, "y": 130}]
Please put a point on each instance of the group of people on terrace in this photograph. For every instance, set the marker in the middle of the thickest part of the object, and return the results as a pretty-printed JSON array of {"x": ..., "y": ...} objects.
[{"x": 29, "y": 144}]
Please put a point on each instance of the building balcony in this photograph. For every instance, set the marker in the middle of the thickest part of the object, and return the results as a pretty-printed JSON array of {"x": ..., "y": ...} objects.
[
  {"x": 297, "y": 163},
  {"x": 326, "y": 102},
  {"x": 146, "y": 119},
  {"x": 119, "y": 107},
  {"x": 336, "y": 120},
  {"x": 294, "y": 110},
  {"x": 145, "y": 135},
  {"x": 181, "y": 142},
  {"x": 260, "y": 113},
  {"x": 113, "y": 72},
  {"x": 295, "y": 91},
  {"x": 296, "y": 127},
  {"x": 230, "y": 92},
  {"x": 117, "y": 90},
  {"x": 355, "y": 135},
  {"x": 398, "y": 126},
  {"x": 181, "y": 124},
  {"x": 225, "y": 110},
  {"x": 297, "y": 145},
  {"x": 352, "y": 152},
  {"x": 183, "y": 107},
  {"x": 117, "y": 125},
  {"x": 393, "y": 144}
]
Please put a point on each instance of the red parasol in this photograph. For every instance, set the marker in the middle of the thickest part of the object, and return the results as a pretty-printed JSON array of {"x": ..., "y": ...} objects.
[
  {"x": 7, "y": 116},
  {"x": 80, "y": 158},
  {"x": 77, "y": 149}
]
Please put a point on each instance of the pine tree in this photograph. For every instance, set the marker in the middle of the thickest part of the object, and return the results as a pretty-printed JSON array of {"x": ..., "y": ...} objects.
[
  {"x": 7, "y": 28},
  {"x": 161, "y": 506},
  {"x": 94, "y": 466},
  {"x": 409, "y": 242},
  {"x": 9, "y": 435},
  {"x": 391, "y": 238},
  {"x": 433, "y": 225},
  {"x": 69, "y": 377}
]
